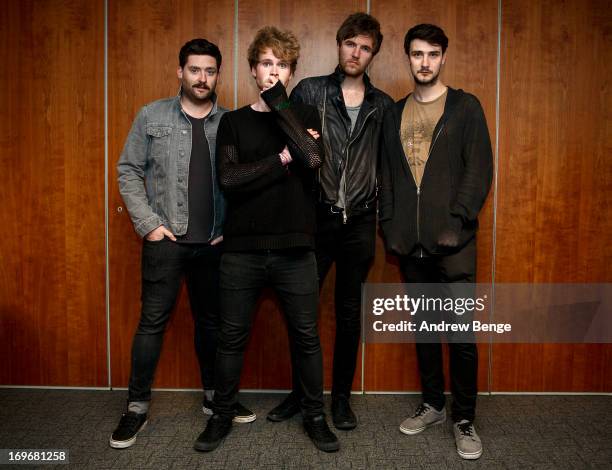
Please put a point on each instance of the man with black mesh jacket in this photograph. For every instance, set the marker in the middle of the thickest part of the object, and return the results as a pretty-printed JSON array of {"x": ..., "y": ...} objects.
[{"x": 267, "y": 155}]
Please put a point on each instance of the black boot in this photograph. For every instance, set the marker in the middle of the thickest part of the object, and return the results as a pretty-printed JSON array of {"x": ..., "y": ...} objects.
[
  {"x": 286, "y": 409},
  {"x": 320, "y": 434},
  {"x": 342, "y": 415}
]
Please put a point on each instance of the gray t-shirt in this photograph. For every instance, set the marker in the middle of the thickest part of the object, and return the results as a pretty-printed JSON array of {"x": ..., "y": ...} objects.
[{"x": 353, "y": 112}]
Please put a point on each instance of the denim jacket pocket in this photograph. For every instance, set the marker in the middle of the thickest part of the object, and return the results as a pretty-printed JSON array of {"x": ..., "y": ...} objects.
[{"x": 160, "y": 139}]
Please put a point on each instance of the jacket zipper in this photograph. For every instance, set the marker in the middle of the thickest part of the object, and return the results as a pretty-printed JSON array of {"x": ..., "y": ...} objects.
[
  {"x": 418, "y": 187},
  {"x": 365, "y": 120}
]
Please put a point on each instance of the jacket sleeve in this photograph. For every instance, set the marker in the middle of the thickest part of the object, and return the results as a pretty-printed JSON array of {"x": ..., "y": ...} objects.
[
  {"x": 237, "y": 177},
  {"x": 478, "y": 160},
  {"x": 385, "y": 189},
  {"x": 131, "y": 177},
  {"x": 303, "y": 147}
]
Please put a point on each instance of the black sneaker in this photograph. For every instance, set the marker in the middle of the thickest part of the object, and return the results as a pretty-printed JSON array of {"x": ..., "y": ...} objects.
[
  {"x": 129, "y": 426},
  {"x": 216, "y": 429},
  {"x": 320, "y": 434},
  {"x": 342, "y": 414},
  {"x": 286, "y": 409},
  {"x": 243, "y": 415}
]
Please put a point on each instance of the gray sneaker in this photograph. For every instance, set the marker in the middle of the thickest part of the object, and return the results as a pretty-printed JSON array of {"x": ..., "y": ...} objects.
[
  {"x": 468, "y": 443},
  {"x": 424, "y": 416}
]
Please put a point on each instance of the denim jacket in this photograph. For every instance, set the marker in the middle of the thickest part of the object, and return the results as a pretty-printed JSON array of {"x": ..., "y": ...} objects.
[{"x": 153, "y": 170}]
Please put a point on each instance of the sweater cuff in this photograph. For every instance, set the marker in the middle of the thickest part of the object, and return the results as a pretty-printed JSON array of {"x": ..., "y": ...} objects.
[{"x": 276, "y": 97}]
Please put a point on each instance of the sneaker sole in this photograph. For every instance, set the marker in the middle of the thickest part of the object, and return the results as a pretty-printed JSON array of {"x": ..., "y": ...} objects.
[
  {"x": 237, "y": 419},
  {"x": 412, "y": 432},
  {"x": 127, "y": 443},
  {"x": 244, "y": 419},
  {"x": 470, "y": 456}
]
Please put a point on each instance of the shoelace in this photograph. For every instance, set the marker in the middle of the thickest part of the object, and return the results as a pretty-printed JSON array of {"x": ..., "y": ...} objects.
[
  {"x": 420, "y": 411},
  {"x": 466, "y": 429}
]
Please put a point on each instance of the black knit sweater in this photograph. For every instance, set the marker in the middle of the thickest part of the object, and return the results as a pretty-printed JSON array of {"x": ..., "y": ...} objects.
[{"x": 269, "y": 206}]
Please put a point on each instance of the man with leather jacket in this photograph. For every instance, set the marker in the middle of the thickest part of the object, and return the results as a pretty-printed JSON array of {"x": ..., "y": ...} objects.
[{"x": 351, "y": 111}]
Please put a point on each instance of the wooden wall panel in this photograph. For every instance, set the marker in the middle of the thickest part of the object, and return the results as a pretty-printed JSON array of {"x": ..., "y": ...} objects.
[
  {"x": 555, "y": 175},
  {"x": 471, "y": 64},
  {"x": 52, "y": 301},
  {"x": 315, "y": 24},
  {"x": 144, "y": 39}
]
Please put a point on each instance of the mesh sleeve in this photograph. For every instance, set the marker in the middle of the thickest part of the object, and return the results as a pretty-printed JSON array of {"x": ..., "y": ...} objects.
[
  {"x": 235, "y": 176},
  {"x": 302, "y": 145}
]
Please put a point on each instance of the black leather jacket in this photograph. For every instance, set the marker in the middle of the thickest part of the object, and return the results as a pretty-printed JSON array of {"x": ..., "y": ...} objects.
[{"x": 358, "y": 150}]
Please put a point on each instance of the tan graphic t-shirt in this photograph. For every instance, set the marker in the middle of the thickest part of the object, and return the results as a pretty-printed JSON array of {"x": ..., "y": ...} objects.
[{"x": 419, "y": 120}]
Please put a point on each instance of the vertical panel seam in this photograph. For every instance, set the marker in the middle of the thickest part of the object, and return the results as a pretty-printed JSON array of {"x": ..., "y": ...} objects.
[
  {"x": 235, "y": 54},
  {"x": 495, "y": 181},
  {"x": 106, "y": 181}
]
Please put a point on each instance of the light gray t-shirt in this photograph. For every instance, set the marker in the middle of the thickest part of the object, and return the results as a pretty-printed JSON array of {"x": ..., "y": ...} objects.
[{"x": 353, "y": 112}]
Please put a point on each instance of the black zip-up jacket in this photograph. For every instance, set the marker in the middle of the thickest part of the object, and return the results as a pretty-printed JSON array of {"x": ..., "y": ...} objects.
[
  {"x": 455, "y": 183},
  {"x": 358, "y": 151}
]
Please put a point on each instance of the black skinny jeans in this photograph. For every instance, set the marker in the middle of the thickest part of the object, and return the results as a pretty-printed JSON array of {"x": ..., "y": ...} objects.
[
  {"x": 293, "y": 276},
  {"x": 457, "y": 267},
  {"x": 351, "y": 246},
  {"x": 164, "y": 263}
]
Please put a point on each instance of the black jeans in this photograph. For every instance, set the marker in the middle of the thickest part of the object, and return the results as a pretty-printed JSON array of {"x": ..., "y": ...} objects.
[
  {"x": 351, "y": 246},
  {"x": 293, "y": 276},
  {"x": 456, "y": 267},
  {"x": 164, "y": 263}
]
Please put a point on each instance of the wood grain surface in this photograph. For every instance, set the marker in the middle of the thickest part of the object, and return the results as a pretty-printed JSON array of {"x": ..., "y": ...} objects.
[
  {"x": 554, "y": 216},
  {"x": 52, "y": 301}
]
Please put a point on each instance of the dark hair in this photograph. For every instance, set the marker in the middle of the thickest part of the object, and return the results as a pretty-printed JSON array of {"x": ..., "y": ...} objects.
[
  {"x": 199, "y": 47},
  {"x": 361, "y": 24},
  {"x": 431, "y": 33}
]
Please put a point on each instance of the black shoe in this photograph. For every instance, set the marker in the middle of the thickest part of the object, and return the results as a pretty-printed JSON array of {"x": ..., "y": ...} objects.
[
  {"x": 289, "y": 407},
  {"x": 320, "y": 434},
  {"x": 243, "y": 415},
  {"x": 216, "y": 429},
  {"x": 342, "y": 415},
  {"x": 129, "y": 426}
]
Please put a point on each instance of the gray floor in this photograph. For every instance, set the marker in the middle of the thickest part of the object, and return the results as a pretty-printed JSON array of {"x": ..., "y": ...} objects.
[{"x": 544, "y": 432}]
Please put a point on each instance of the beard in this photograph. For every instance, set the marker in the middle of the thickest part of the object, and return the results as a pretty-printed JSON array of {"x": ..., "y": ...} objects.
[
  {"x": 352, "y": 69},
  {"x": 429, "y": 82}
]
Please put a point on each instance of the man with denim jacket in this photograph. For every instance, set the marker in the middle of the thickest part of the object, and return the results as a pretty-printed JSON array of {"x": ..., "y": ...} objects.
[{"x": 167, "y": 179}]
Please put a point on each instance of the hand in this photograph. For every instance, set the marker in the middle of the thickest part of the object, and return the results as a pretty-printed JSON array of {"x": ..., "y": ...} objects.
[
  {"x": 159, "y": 233},
  {"x": 448, "y": 239},
  {"x": 269, "y": 83},
  {"x": 285, "y": 156},
  {"x": 217, "y": 240},
  {"x": 315, "y": 135}
]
